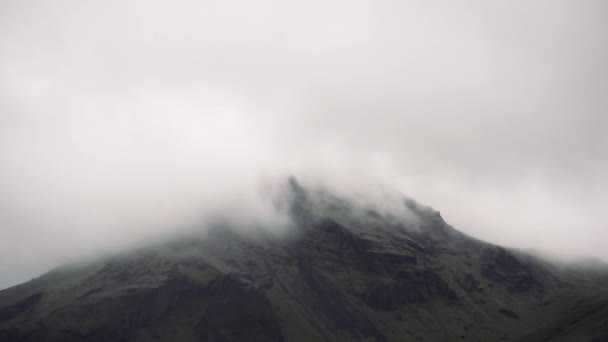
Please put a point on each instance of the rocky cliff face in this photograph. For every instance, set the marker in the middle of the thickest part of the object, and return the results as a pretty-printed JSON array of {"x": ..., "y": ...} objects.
[{"x": 342, "y": 273}]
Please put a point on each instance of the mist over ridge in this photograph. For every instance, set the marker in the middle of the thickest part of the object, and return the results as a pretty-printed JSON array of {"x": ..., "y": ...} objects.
[{"x": 123, "y": 120}]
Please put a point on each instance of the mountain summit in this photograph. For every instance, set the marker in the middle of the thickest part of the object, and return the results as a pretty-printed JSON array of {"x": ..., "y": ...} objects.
[{"x": 342, "y": 272}]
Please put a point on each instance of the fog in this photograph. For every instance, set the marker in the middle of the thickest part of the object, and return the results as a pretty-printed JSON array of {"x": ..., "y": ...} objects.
[{"x": 120, "y": 120}]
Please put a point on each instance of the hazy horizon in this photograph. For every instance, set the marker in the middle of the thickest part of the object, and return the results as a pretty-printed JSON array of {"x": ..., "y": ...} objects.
[{"x": 120, "y": 120}]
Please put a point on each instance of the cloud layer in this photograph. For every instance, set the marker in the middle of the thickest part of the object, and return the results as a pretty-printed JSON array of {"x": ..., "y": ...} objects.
[{"x": 121, "y": 119}]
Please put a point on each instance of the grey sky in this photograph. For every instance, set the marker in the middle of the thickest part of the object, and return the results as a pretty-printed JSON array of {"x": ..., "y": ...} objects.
[{"x": 121, "y": 119}]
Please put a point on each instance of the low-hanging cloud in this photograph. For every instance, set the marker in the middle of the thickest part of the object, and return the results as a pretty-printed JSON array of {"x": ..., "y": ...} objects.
[{"x": 121, "y": 119}]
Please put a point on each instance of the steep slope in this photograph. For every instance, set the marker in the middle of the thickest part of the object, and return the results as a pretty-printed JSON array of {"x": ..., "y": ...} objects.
[{"x": 342, "y": 273}]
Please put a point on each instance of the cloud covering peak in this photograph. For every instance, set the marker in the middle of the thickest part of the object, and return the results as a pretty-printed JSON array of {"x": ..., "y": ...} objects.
[{"x": 123, "y": 118}]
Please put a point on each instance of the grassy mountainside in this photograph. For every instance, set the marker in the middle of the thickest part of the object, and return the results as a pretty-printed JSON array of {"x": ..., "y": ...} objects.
[{"x": 343, "y": 273}]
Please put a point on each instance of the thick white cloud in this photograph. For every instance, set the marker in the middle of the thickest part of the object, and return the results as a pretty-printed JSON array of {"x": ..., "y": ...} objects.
[{"x": 121, "y": 119}]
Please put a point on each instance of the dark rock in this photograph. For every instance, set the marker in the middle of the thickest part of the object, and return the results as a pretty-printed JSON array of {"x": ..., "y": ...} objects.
[
  {"x": 508, "y": 313},
  {"x": 501, "y": 266},
  {"x": 26, "y": 304},
  {"x": 407, "y": 288}
]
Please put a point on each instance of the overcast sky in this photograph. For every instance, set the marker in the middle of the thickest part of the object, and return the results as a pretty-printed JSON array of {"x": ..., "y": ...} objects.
[{"x": 121, "y": 119}]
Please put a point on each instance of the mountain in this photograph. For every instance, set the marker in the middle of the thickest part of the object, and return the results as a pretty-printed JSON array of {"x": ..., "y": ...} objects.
[{"x": 343, "y": 272}]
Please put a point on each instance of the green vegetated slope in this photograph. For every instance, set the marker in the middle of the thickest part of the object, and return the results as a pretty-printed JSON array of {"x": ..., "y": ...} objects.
[{"x": 342, "y": 273}]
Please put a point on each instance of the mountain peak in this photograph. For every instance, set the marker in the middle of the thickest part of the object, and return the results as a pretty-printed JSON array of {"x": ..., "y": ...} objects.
[{"x": 352, "y": 272}]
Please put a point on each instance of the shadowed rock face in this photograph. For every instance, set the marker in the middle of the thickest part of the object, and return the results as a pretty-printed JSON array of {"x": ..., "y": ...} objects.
[
  {"x": 408, "y": 288},
  {"x": 237, "y": 312},
  {"x": 343, "y": 274},
  {"x": 501, "y": 266},
  {"x": 24, "y": 305}
]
